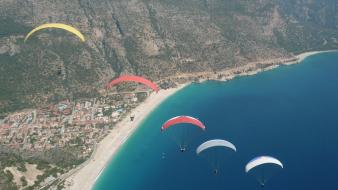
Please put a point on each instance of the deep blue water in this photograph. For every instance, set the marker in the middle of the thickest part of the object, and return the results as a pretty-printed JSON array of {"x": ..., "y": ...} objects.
[{"x": 290, "y": 113}]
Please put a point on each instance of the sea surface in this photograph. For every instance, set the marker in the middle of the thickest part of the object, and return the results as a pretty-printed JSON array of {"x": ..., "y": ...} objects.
[{"x": 290, "y": 113}]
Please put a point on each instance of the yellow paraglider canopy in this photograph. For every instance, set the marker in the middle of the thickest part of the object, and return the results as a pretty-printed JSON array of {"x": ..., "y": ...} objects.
[{"x": 59, "y": 26}]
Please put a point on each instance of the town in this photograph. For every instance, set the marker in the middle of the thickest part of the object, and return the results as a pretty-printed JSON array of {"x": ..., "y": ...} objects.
[{"x": 81, "y": 123}]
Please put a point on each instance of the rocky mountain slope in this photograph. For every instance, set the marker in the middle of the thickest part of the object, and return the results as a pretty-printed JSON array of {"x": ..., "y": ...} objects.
[{"x": 153, "y": 38}]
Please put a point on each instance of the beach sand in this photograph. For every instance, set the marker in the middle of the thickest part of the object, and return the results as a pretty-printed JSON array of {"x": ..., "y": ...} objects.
[
  {"x": 86, "y": 177},
  {"x": 303, "y": 56}
]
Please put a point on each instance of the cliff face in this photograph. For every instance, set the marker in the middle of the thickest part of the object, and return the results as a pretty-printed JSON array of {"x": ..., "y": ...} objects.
[{"x": 154, "y": 38}]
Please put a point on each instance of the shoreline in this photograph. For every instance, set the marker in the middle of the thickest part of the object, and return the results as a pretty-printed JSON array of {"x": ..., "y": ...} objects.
[
  {"x": 253, "y": 68},
  {"x": 301, "y": 57},
  {"x": 85, "y": 178}
]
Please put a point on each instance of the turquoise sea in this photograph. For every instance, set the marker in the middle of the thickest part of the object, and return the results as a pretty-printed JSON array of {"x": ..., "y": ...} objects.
[{"x": 290, "y": 113}]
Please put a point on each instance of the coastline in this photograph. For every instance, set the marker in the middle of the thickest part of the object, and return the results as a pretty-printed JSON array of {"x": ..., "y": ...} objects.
[
  {"x": 86, "y": 176},
  {"x": 254, "y": 68},
  {"x": 301, "y": 57}
]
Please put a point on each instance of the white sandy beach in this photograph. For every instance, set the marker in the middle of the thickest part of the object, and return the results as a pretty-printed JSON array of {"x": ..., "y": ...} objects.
[
  {"x": 85, "y": 178},
  {"x": 303, "y": 56}
]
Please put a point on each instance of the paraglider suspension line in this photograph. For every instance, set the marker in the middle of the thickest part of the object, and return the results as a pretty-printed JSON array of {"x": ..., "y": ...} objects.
[{"x": 263, "y": 178}]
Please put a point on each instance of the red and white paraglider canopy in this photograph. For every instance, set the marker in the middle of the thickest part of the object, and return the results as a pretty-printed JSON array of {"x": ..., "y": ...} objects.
[
  {"x": 182, "y": 119},
  {"x": 133, "y": 78}
]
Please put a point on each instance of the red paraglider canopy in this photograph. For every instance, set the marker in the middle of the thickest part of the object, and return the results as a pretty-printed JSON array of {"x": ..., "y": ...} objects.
[
  {"x": 132, "y": 78},
  {"x": 182, "y": 119}
]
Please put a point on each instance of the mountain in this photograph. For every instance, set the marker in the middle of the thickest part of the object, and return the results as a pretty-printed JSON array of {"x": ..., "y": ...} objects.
[{"x": 152, "y": 38}]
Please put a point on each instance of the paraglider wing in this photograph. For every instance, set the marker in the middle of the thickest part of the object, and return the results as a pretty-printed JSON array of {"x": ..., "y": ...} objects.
[
  {"x": 131, "y": 78},
  {"x": 182, "y": 119},
  {"x": 215, "y": 143},
  {"x": 59, "y": 26},
  {"x": 262, "y": 160},
  {"x": 182, "y": 135}
]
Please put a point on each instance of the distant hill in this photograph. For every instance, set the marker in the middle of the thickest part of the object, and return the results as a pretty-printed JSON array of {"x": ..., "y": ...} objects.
[{"x": 154, "y": 38}]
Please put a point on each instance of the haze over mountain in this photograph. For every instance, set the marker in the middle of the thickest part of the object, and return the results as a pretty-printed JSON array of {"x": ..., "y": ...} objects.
[{"x": 153, "y": 38}]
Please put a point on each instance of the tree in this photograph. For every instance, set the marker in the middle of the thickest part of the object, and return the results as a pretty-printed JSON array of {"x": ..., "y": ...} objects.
[{"x": 23, "y": 181}]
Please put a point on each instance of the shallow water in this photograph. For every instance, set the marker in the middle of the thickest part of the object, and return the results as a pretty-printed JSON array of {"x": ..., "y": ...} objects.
[{"x": 290, "y": 113}]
